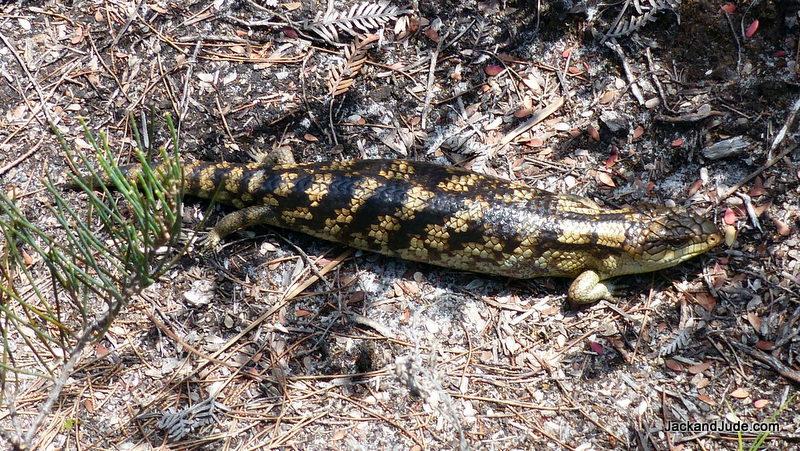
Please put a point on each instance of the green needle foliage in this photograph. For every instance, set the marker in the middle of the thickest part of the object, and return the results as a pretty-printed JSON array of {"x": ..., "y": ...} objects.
[{"x": 60, "y": 291}]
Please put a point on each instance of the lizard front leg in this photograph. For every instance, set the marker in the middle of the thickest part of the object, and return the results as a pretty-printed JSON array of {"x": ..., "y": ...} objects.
[{"x": 587, "y": 288}]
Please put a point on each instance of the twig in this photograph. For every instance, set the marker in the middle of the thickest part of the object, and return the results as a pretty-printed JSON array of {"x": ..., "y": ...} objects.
[
  {"x": 258, "y": 321},
  {"x": 431, "y": 77},
  {"x": 10, "y": 44},
  {"x": 66, "y": 371},
  {"x": 656, "y": 80},
  {"x": 562, "y": 78},
  {"x": 756, "y": 173},
  {"x": 184, "y": 106},
  {"x": 127, "y": 24},
  {"x": 637, "y": 93},
  {"x": 779, "y": 138},
  {"x": 786, "y": 124},
  {"x": 186, "y": 346},
  {"x": 769, "y": 360},
  {"x": 364, "y": 321},
  {"x": 537, "y": 117},
  {"x": 736, "y": 38},
  {"x": 21, "y": 158},
  {"x": 306, "y": 103}
]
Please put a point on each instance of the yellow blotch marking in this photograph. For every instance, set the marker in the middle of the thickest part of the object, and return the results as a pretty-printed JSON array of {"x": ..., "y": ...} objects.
[
  {"x": 610, "y": 263},
  {"x": 458, "y": 259},
  {"x": 569, "y": 262},
  {"x": 473, "y": 211},
  {"x": 232, "y": 179},
  {"x": 526, "y": 248},
  {"x": 290, "y": 216},
  {"x": 207, "y": 179},
  {"x": 543, "y": 262},
  {"x": 576, "y": 232},
  {"x": 483, "y": 250},
  {"x": 380, "y": 232},
  {"x": 363, "y": 189},
  {"x": 270, "y": 200},
  {"x": 578, "y": 204},
  {"x": 338, "y": 165},
  {"x": 518, "y": 195},
  {"x": 359, "y": 241},
  {"x": 319, "y": 188},
  {"x": 247, "y": 198},
  {"x": 286, "y": 185},
  {"x": 493, "y": 243},
  {"x": 610, "y": 233},
  {"x": 256, "y": 181},
  {"x": 461, "y": 182},
  {"x": 398, "y": 169},
  {"x": 286, "y": 166},
  {"x": 416, "y": 200},
  {"x": 436, "y": 237},
  {"x": 334, "y": 225},
  {"x": 416, "y": 249}
]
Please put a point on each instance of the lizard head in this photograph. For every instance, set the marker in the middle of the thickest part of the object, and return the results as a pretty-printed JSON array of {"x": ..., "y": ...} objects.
[{"x": 672, "y": 235}]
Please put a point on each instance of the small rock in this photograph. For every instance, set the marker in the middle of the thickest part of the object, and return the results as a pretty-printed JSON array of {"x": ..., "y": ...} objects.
[
  {"x": 614, "y": 123},
  {"x": 726, "y": 148}
]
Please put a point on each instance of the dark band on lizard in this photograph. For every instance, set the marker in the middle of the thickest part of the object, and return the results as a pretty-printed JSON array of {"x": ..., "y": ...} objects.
[{"x": 454, "y": 218}]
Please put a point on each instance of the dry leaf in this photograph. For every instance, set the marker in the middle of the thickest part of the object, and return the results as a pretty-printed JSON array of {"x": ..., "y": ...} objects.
[
  {"x": 638, "y": 132},
  {"x": 751, "y": 29},
  {"x": 26, "y": 258},
  {"x": 596, "y": 347},
  {"x": 700, "y": 367},
  {"x": 612, "y": 159},
  {"x": 100, "y": 351},
  {"x": 523, "y": 112},
  {"x": 729, "y": 217},
  {"x": 707, "y": 399},
  {"x": 534, "y": 142},
  {"x": 754, "y": 320},
  {"x": 760, "y": 403},
  {"x": 765, "y": 345},
  {"x": 758, "y": 188},
  {"x": 607, "y": 97},
  {"x": 493, "y": 69},
  {"x": 730, "y": 235},
  {"x": 674, "y": 365},
  {"x": 677, "y": 142},
  {"x": 781, "y": 227},
  {"x": 593, "y": 133},
  {"x": 605, "y": 179},
  {"x": 695, "y": 187},
  {"x": 706, "y": 300},
  {"x": 432, "y": 34},
  {"x": 740, "y": 393}
]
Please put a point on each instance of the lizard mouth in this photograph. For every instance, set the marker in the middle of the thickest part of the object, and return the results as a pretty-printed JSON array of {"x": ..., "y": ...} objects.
[{"x": 694, "y": 236}]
